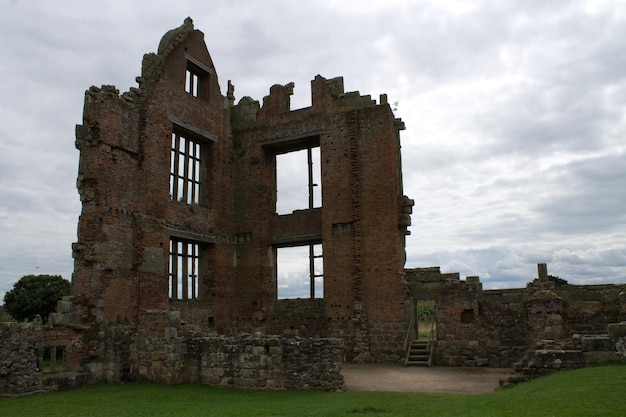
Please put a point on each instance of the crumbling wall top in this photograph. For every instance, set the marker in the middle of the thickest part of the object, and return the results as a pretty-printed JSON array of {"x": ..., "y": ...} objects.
[
  {"x": 327, "y": 96},
  {"x": 152, "y": 64},
  {"x": 175, "y": 37}
]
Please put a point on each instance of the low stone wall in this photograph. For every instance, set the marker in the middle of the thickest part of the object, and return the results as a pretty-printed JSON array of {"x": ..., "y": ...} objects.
[
  {"x": 499, "y": 328},
  {"x": 19, "y": 372},
  {"x": 265, "y": 362},
  {"x": 168, "y": 351},
  {"x": 165, "y": 352},
  {"x": 40, "y": 358}
]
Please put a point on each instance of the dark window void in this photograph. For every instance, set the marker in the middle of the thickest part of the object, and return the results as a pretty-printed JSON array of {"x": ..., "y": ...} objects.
[
  {"x": 184, "y": 263},
  {"x": 185, "y": 172},
  {"x": 300, "y": 272},
  {"x": 467, "y": 316},
  {"x": 298, "y": 180}
]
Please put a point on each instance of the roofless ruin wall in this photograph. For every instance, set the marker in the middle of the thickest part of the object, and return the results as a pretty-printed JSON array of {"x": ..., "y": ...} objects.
[
  {"x": 498, "y": 328},
  {"x": 179, "y": 191}
]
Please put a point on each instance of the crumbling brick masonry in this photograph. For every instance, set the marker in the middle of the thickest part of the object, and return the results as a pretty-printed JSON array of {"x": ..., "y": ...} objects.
[{"x": 179, "y": 193}]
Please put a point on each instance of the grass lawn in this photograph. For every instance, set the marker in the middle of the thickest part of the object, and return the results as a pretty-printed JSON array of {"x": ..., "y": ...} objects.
[{"x": 596, "y": 391}]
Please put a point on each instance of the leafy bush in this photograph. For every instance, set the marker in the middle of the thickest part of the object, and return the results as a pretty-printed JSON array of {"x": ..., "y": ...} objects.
[
  {"x": 559, "y": 282},
  {"x": 35, "y": 295},
  {"x": 426, "y": 311}
]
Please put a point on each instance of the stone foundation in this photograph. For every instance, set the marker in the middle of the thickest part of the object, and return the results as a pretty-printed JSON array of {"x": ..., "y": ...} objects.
[{"x": 120, "y": 352}]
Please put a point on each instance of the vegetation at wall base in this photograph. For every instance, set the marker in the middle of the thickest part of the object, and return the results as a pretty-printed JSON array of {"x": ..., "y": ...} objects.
[{"x": 595, "y": 391}]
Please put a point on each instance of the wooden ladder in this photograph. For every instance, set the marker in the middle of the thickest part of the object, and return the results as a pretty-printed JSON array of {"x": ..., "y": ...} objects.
[{"x": 420, "y": 352}]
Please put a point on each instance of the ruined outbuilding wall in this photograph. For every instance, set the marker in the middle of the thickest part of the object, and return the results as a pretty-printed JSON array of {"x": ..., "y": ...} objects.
[
  {"x": 18, "y": 360},
  {"x": 499, "y": 328},
  {"x": 26, "y": 364},
  {"x": 123, "y": 353}
]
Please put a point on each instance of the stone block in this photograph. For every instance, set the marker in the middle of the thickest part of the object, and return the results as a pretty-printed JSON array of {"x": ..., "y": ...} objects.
[
  {"x": 171, "y": 332},
  {"x": 64, "y": 306},
  {"x": 617, "y": 330},
  {"x": 95, "y": 368},
  {"x": 597, "y": 343},
  {"x": 57, "y": 319},
  {"x": 595, "y": 357},
  {"x": 559, "y": 357}
]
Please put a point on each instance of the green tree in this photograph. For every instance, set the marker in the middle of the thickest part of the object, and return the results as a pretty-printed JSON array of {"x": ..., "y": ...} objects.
[
  {"x": 35, "y": 295},
  {"x": 558, "y": 282}
]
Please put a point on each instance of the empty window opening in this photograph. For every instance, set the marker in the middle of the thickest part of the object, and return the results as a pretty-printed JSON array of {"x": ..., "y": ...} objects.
[
  {"x": 300, "y": 272},
  {"x": 185, "y": 169},
  {"x": 298, "y": 180},
  {"x": 52, "y": 358},
  {"x": 184, "y": 262}
]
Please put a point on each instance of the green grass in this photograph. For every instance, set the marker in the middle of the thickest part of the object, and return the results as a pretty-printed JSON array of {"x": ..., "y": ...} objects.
[{"x": 597, "y": 391}]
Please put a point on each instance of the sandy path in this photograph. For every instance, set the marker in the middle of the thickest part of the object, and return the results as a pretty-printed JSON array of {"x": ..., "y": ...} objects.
[{"x": 386, "y": 377}]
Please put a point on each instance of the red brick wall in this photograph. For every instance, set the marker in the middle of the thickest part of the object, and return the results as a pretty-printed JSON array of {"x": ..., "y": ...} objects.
[{"x": 128, "y": 215}]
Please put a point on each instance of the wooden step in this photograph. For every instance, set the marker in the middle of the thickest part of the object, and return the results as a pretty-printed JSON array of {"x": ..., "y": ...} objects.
[{"x": 418, "y": 354}]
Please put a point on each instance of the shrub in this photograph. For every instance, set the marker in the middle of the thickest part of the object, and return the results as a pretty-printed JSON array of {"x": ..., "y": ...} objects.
[{"x": 35, "y": 295}]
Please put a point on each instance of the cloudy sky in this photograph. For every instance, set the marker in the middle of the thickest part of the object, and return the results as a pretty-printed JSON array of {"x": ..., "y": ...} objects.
[{"x": 515, "y": 148}]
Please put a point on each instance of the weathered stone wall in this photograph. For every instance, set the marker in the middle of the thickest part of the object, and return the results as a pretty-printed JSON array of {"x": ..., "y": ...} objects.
[
  {"x": 266, "y": 362},
  {"x": 502, "y": 315},
  {"x": 425, "y": 283},
  {"x": 26, "y": 359},
  {"x": 175, "y": 353},
  {"x": 588, "y": 308},
  {"x": 617, "y": 333},
  {"x": 500, "y": 327},
  {"x": 461, "y": 338},
  {"x": 172, "y": 354},
  {"x": 19, "y": 371}
]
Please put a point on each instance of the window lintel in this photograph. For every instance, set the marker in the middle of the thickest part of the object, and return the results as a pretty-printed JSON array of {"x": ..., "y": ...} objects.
[
  {"x": 293, "y": 143},
  {"x": 188, "y": 128},
  {"x": 191, "y": 236},
  {"x": 197, "y": 66},
  {"x": 300, "y": 240}
]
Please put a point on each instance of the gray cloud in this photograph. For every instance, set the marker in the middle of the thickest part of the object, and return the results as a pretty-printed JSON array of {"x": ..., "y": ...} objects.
[{"x": 514, "y": 148}]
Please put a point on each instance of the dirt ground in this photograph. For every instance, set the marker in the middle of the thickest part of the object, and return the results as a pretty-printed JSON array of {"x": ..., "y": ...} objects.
[{"x": 440, "y": 379}]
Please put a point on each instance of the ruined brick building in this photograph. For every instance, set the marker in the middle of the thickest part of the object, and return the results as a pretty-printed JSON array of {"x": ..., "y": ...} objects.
[
  {"x": 177, "y": 264},
  {"x": 179, "y": 193}
]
